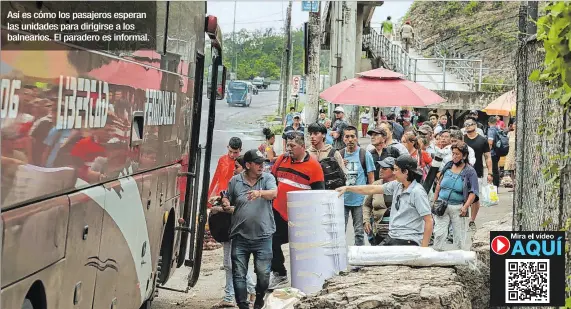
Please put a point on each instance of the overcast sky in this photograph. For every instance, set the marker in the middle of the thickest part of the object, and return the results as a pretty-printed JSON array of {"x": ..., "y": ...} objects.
[{"x": 253, "y": 15}]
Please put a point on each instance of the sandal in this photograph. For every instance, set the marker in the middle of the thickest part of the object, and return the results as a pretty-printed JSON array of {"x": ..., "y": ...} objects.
[{"x": 224, "y": 304}]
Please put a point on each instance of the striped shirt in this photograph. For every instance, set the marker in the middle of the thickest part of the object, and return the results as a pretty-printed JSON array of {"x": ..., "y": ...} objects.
[{"x": 295, "y": 176}]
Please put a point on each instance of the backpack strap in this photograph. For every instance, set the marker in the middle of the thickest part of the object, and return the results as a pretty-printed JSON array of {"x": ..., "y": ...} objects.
[
  {"x": 361, "y": 157},
  {"x": 362, "y": 153},
  {"x": 331, "y": 153}
]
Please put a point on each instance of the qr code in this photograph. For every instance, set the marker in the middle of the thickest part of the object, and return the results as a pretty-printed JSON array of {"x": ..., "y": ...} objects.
[{"x": 527, "y": 281}]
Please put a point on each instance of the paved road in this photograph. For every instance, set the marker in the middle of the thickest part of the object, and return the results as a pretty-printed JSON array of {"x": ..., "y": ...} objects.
[{"x": 238, "y": 121}]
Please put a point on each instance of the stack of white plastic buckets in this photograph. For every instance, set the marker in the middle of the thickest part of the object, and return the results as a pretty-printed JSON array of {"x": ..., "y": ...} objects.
[{"x": 318, "y": 249}]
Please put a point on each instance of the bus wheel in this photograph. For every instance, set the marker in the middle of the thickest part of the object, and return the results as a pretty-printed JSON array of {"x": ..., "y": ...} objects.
[{"x": 27, "y": 304}]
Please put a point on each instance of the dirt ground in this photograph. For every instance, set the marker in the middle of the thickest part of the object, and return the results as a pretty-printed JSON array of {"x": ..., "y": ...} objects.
[
  {"x": 210, "y": 286},
  {"x": 208, "y": 290}
]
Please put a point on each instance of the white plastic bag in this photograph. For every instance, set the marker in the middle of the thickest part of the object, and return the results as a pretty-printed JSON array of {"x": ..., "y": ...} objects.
[
  {"x": 283, "y": 298},
  {"x": 489, "y": 195},
  {"x": 408, "y": 255}
]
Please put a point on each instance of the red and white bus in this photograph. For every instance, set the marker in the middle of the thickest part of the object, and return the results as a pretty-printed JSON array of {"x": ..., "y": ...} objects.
[{"x": 100, "y": 164}]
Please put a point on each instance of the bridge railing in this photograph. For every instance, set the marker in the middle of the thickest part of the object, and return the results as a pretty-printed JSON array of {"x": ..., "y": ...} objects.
[
  {"x": 391, "y": 54},
  {"x": 454, "y": 73},
  {"x": 442, "y": 79}
]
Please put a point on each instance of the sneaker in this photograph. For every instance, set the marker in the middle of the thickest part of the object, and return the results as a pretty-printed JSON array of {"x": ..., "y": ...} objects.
[
  {"x": 224, "y": 304},
  {"x": 277, "y": 281}
]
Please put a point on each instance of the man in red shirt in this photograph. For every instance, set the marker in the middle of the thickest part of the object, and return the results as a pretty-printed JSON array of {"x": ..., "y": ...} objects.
[
  {"x": 295, "y": 170},
  {"x": 225, "y": 168}
]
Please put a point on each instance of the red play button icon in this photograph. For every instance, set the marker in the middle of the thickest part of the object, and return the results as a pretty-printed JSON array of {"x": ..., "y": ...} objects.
[{"x": 500, "y": 245}]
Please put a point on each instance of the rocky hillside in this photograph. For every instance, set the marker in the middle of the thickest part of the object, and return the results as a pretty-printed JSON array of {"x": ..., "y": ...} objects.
[{"x": 470, "y": 29}]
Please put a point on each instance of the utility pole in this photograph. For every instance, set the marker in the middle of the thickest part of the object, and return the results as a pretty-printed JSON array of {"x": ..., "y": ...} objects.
[
  {"x": 235, "y": 66},
  {"x": 348, "y": 50},
  {"x": 313, "y": 69},
  {"x": 282, "y": 82},
  {"x": 286, "y": 64}
]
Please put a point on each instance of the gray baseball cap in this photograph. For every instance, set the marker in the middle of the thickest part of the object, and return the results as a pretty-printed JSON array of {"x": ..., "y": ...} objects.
[{"x": 388, "y": 162}]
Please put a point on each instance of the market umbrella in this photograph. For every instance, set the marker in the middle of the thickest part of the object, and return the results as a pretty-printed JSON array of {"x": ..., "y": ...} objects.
[
  {"x": 503, "y": 106},
  {"x": 380, "y": 88}
]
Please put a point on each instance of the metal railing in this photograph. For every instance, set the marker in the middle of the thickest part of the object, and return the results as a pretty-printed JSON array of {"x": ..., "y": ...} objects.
[
  {"x": 391, "y": 54},
  {"x": 455, "y": 74},
  {"x": 466, "y": 71}
]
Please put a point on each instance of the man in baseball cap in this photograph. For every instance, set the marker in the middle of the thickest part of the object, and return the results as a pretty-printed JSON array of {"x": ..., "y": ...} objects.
[
  {"x": 411, "y": 218},
  {"x": 338, "y": 127},
  {"x": 425, "y": 130},
  {"x": 254, "y": 156},
  {"x": 380, "y": 149},
  {"x": 251, "y": 194},
  {"x": 388, "y": 162},
  {"x": 296, "y": 127}
]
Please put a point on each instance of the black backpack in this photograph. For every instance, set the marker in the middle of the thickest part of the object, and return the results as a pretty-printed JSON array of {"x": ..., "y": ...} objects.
[
  {"x": 332, "y": 172},
  {"x": 501, "y": 143},
  {"x": 219, "y": 226}
]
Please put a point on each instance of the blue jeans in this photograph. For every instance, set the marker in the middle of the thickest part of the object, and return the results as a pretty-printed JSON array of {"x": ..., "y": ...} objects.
[
  {"x": 261, "y": 249},
  {"x": 358, "y": 228},
  {"x": 229, "y": 288}
]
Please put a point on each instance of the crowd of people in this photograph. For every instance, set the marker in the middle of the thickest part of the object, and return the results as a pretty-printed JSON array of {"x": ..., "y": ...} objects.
[{"x": 383, "y": 186}]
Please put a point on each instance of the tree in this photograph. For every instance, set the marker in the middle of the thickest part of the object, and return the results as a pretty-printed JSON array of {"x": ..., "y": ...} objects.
[{"x": 258, "y": 52}]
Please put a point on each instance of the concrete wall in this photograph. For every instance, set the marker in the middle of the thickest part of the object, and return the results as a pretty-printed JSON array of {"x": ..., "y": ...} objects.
[
  {"x": 465, "y": 100},
  {"x": 365, "y": 65}
]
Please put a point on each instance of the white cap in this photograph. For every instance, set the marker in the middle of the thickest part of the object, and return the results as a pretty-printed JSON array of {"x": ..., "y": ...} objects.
[{"x": 339, "y": 109}]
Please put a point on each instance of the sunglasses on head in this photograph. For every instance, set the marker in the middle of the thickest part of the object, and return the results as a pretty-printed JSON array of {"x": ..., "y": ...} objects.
[{"x": 293, "y": 135}]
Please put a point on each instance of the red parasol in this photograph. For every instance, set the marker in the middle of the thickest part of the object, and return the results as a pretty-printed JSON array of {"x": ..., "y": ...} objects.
[{"x": 380, "y": 88}]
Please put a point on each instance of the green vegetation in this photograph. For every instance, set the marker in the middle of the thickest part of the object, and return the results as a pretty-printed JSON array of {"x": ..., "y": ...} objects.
[
  {"x": 554, "y": 29},
  {"x": 277, "y": 129},
  {"x": 471, "y": 7},
  {"x": 494, "y": 84},
  {"x": 259, "y": 53},
  {"x": 474, "y": 29}
]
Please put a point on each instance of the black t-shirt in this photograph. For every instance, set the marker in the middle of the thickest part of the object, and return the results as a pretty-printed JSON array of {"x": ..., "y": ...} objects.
[
  {"x": 389, "y": 151},
  {"x": 480, "y": 146}
]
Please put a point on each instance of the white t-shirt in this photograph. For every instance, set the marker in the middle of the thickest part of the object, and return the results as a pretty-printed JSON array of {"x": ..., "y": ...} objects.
[{"x": 365, "y": 117}]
